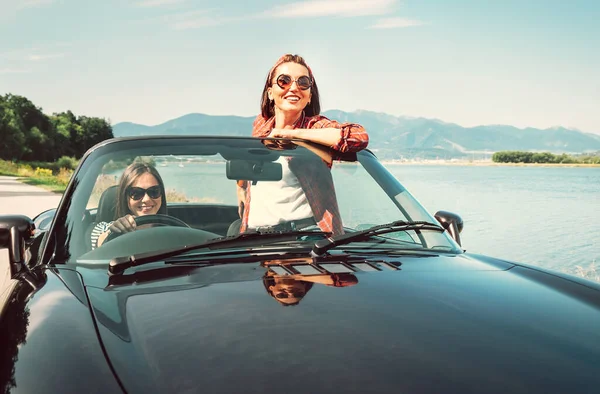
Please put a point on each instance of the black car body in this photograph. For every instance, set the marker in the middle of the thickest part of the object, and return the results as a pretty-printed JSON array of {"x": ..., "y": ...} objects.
[{"x": 393, "y": 305}]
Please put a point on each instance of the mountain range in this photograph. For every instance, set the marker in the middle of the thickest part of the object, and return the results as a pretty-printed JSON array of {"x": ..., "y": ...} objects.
[{"x": 398, "y": 137}]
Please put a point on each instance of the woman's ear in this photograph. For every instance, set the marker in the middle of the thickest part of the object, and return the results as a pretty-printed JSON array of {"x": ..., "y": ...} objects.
[{"x": 270, "y": 93}]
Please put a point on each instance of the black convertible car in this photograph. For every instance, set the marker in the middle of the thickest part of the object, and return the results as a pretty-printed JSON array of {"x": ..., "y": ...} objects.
[{"x": 196, "y": 300}]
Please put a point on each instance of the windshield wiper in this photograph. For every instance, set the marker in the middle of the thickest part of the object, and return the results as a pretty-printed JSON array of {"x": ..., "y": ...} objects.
[
  {"x": 324, "y": 245},
  {"x": 119, "y": 264}
]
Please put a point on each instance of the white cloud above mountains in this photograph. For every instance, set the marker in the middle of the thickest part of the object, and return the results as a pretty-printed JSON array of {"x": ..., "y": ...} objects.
[
  {"x": 33, "y": 3},
  {"x": 10, "y": 8},
  {"x": 28, "y": 60},
  {"x": 194, "y": 19},
  {"x": 395, "y": 23},
  {"x": 342, "y": 8},
  {"x": 14, "y": 70},
  {"x": 158, "y": 3},
  {"x": 42, "y": 57}
]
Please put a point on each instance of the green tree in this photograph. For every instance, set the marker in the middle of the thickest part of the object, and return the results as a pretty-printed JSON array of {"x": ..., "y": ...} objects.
[
  {"x": 95, "y": 130},
  {"x": 543, "y": 157},
  {"x": 65, "y": 126},
  {"x": 26, "y": 133},
  {"x": 27, "y": 130},
  {"x": 12, "y": 139}
]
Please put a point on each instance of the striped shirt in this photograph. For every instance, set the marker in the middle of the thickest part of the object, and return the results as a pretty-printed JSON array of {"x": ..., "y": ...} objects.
[
  {"x": 311, "y": 173},
  {"x": 98, "y": 229}
]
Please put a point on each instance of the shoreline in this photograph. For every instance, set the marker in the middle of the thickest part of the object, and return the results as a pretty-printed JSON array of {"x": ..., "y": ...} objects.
[{"x": 482, "y": 163}]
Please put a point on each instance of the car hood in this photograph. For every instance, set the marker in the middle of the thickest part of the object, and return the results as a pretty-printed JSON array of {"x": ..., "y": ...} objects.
[{"x": 436, "y": 324}]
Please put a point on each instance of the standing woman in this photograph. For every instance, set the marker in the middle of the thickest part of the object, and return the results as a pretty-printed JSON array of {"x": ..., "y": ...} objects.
[
  {"x": 290, "y": 108},
  {"x": 141, "y": 191}
]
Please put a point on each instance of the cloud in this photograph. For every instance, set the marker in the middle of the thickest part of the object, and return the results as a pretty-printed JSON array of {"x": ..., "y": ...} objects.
[
  {"x": 10, "y": 8},
  {"x": 37, "y": 53},
  {"x": 34, "y": 3},
  {"x": 343, "y": 8},
  {"x": 192, "y": 20},
  {"x": 395, "y": 23},
  {"x": 14, "y": 71},
  {"x": 158, "y": 3},
  {"x": 38, "y": 58},
  {"x": 302, "y": 9},
  {"x": 28, "y": 60}
]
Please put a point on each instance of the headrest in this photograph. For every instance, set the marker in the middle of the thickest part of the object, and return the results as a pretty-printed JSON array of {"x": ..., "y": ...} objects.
[{"x": 107, "y": 207}]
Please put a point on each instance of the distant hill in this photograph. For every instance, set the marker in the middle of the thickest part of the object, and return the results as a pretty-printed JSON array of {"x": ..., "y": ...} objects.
[
  {"x": 396, "y": 137},
  {"x": 190, "y": 124}
]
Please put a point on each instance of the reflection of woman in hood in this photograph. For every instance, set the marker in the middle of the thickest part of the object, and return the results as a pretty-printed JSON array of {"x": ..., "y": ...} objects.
[
  {"x": 285, "y": 289},
  {"x": 291, "y": 289}
]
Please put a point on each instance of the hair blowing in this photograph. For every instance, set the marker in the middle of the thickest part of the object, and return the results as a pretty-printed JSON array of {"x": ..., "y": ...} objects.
[{"x": 267, "y": 107}]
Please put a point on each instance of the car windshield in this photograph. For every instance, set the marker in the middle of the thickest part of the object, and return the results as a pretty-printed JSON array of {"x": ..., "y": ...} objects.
[{"x": 285, "y": 188}]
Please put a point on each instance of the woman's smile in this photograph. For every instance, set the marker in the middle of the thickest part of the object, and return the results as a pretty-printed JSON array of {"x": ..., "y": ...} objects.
[
  {"x": 147, "y": 205},
  {"x": 290, "y": 99},
  {"x": 146, "y": 209}
]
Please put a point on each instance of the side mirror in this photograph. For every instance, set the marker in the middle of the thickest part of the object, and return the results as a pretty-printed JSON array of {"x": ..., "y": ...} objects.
[
  {"x": 14, "y": 231},
  {"x": 43, "y": 220},
  {"x": 452, "y": 223}
]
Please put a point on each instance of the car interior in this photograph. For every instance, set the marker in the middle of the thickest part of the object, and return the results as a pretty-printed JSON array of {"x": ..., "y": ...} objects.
[{"x": 214, "y": 218}]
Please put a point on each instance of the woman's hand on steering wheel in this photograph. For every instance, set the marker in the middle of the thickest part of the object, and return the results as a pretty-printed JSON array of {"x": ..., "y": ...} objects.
[{"x": 123, "y": 225}]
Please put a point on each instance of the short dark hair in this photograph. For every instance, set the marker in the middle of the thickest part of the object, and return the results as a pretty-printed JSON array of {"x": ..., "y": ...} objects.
[{"x": 267, "y": 107}]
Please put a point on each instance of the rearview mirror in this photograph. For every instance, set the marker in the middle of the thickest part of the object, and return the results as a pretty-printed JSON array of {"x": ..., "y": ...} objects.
[{"x": 253, "y": 170}]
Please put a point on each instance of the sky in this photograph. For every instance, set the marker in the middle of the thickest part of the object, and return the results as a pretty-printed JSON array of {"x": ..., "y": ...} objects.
[{"x": 526, "y": 63}]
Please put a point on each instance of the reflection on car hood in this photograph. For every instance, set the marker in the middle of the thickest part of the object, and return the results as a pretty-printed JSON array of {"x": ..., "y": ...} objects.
[{"x": 436, "y": 324}]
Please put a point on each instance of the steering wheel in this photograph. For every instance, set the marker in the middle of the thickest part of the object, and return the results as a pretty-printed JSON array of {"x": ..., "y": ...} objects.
[{"x": 148, "y": 221}]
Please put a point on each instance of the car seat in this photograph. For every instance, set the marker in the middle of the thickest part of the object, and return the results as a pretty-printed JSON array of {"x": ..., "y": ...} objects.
[
  {"x": 234, "y": 228},
  {"x": 106, "y": 212},
  {"x": 107, "y": 206}
]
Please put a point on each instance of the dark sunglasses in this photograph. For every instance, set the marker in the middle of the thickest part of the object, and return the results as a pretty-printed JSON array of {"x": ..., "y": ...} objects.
[
  {"x": 284, "y": 81},
  {"x": 292, "y": 294},
  {"x": 137, "y": 193}
]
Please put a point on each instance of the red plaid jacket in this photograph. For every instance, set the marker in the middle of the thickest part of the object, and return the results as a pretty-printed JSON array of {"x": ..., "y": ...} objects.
[{"x": 313, "y": 176}]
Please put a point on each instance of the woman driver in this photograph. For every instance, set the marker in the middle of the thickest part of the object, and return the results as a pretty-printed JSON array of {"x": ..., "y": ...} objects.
[{"x": 141, "y": 192}]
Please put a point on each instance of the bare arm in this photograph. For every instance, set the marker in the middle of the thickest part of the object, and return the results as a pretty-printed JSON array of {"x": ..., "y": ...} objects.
[
  {"x": 329, "y": 136},
  {"x": 241, "y": 197},
  {"x": 342, "y": 137},
  {"x": 121, "y": 225},
  {"x": 323, "y": 153}
]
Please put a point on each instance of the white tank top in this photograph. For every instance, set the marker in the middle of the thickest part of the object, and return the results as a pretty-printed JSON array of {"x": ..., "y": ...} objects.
[{"x": 276, "y": 202}]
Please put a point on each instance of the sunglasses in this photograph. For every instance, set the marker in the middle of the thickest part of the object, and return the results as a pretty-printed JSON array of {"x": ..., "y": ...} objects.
[
  {"x": 284, "y": 81},
  {"x": 137, "y": 193},
  {"x": 291, "y": 294}
]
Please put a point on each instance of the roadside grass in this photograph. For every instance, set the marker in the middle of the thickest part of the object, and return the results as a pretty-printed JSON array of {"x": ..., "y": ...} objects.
[
  {"x": 45, "y": 175},
  {"x": 56, "y": 184},
  {"x": 9, "y": 168}
]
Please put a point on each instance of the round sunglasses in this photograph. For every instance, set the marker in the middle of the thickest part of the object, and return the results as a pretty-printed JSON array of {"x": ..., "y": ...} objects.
[
  {"x": 137, "y": 193},
  {"x": 284, "y": 81}
]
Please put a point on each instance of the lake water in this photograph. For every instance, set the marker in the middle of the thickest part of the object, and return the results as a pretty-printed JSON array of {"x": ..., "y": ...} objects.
[{"x": 546, "y": 216}]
